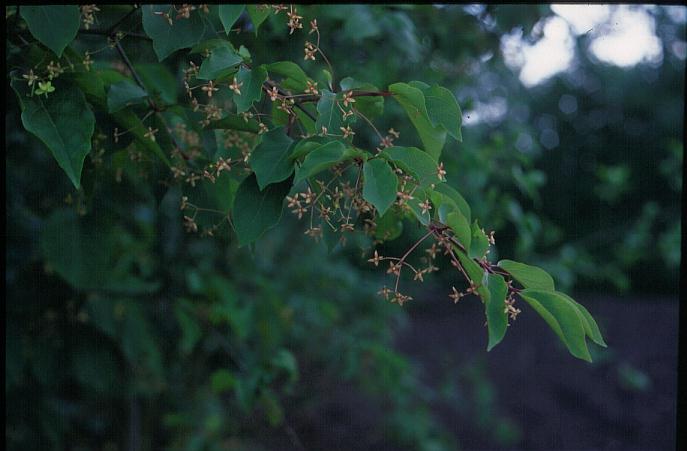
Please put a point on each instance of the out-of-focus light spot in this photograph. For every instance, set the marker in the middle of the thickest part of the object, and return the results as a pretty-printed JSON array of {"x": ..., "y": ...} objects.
[
  {"x": 524, "y": 143},
  {"x": 628, "y": 39},
  {"x": 568, "y": 104},
  {"x": 491, "y": 112},
  {"x": 582, "y": 18},
  {"x": 551, "y": 55},
  {"x": 622, "y": 35},
  {"x": 545, "y": 121},
  {"x": 549, "y": 138},
  {"x": 511, "y": 48},
  {"x": 678, "y": 14},
  {"x": 679, "y": 49},
  {"x": 474, "y": 9}
]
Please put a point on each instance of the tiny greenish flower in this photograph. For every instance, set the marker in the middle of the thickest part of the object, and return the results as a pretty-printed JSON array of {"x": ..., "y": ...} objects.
[{"x": 45, "y": 88}]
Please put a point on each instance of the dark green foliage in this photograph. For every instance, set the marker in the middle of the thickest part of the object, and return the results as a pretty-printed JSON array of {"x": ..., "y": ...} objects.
[{"x": 134, "y": 304}]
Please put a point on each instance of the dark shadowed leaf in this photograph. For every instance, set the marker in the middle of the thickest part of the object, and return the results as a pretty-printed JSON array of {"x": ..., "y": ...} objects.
[
  {"x": 256, "y": 211},
  {"x": 291, "y": 73},
  {"x": 167, "y": 39},
  {"x": 229, "y": 14},
  {"x": 221, "y": 62},
  {"x": 251, "y": 88},
  {"x": 329, "y": 113},
  {"x": 321, "y": 158},
  {"x": 234, "y": 122},
  {"x": 270, "y": 159},
  {"x": 55, "y": 26},
  {"x": 63, "y": 121},
  {"x": 123, "y": 94},
  {"x": 258, "y": 14},
  {"x": 371, "y": 107}
]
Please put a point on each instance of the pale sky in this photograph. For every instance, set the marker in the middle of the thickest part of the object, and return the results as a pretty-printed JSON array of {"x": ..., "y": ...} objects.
[{"x": 622, "y": 35}]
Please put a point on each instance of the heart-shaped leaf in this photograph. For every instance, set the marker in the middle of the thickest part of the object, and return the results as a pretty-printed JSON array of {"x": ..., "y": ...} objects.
[{"x": 380, "y": 184}]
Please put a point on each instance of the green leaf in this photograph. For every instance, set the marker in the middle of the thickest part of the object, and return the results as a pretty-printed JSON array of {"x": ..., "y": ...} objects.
[
  {"x": 380, "y": 184},
  {"x": 141, "y": 348},
  {"x": 270, "y": 405},
  {"x": 270, "y": 159},
  {"x": 284, "y": 359},
  {"x": 479, "y": 243},
  {"x": 54, "y": 26},
  {"x": 95, "y": 366},
  {"x": 64, "y": 122},
  {"x": 76, "y": 255},
  {"x": 221, "y": 62},
  {"x": 373, "y": 106},
  {"x": 563, "y": 317},
  {"x": 443, "y": 206},
  {"x": 234, "y": 122},
  {"x": 529, "y": 276},
  {"x": 167, "y": 39},
  {"x": 328, "y": 78},
  {"x": 251, "y": 89},
  {"x": 210, "y": 45},
  {"x": 229, "y": 14},
  {"x": 93, "y": 85},
  {"x": 474, "y": 271},
  {"x": 495, "y": 309},
  {"x": 123, "y": 94},
  {"x": 304, "y": 146},
  {"x": 291, "y": 72},
  {"x": 129, "y": 121},
  {"x": 256, "y": 211},
  {"x": 191, "y": 331},
  {"x": 217, "y": 196},
  {"x": 413, "y": 102},
  {"x": 443, "y": 110},
  {"x": 158, "y": 81},
  {"x": 590, "y": 327},
  {"x": 389, "y": 226},
  {"x": 222, "y": 381},
  {"x": 414, "y": 162},
  {"x": 293, "y": 77},
  {"x": 456, "y": 197},
  {"x": 420, "y": 196},
  {"x": 307, "y": 122},
  {"x": 320, "y": 159},
  {"x": 329, "y": 114},
  {"x": 258, "y": 15},
  {"x": 461, "y": 227}
]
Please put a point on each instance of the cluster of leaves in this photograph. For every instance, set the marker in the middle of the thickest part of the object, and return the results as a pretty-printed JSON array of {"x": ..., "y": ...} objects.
[{"x": 287, "y": 134}]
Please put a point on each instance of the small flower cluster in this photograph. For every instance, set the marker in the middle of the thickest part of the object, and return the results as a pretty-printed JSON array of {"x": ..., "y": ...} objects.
[
  {"x": 335, "y": 203},
  {"x": 388, "y": 140},
  {"x": 191, "y": 222},
  {"x": 88, "y": 15},
  {"x": 294, "y": 22},
  {"x": 184, "y": 11},
  {"x": 310, "y": 51}
]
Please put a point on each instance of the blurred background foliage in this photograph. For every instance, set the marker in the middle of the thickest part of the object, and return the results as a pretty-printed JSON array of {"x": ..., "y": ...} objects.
[{"x": 142, "y": 336}]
